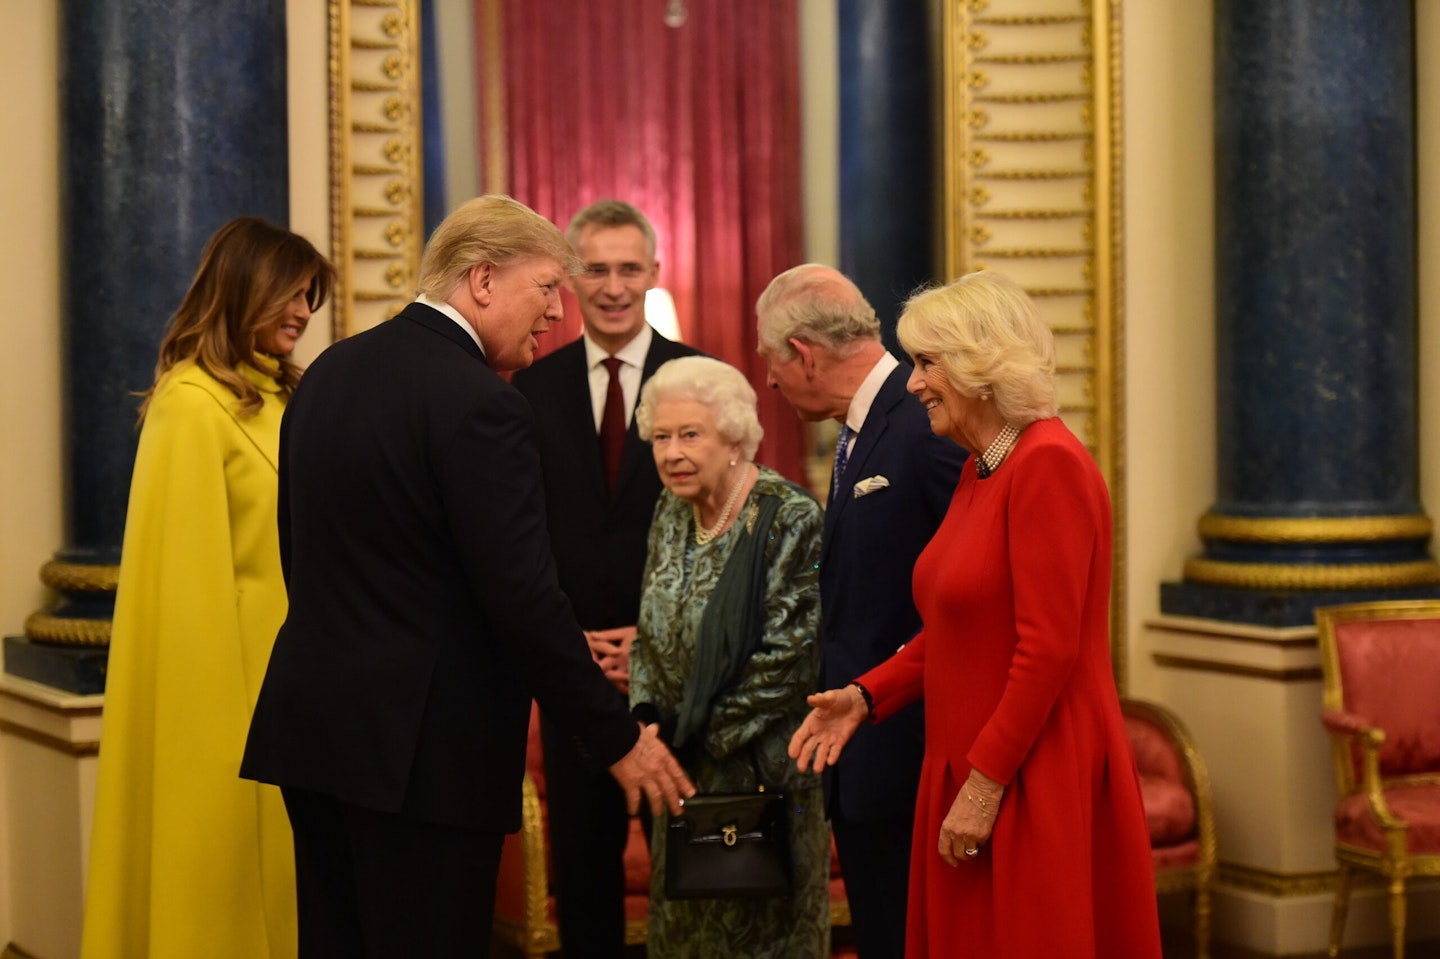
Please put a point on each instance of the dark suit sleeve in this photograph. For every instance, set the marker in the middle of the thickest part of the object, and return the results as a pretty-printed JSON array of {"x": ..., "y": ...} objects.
[{"x": 490, "y": 481}]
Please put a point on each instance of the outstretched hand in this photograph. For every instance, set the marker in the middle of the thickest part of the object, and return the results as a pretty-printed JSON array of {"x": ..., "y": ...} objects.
[
  {"x": 651, "y": 769},
  {"x": 834, "y": 716}
]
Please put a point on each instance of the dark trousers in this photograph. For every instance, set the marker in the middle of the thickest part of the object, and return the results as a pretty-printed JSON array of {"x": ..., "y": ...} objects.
[
  {"x": 589, "y": 827},
  {"x": 875, "y": 861},
  {"x": 373, "y": 884}
]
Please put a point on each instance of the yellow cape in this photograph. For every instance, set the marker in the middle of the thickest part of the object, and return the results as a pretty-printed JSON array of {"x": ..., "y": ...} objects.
[{"x": 186, "y": 858}]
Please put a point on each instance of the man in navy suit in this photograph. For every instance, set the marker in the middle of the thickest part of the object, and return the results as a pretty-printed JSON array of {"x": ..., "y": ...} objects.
[
  {"x": 892, "y": 485},
  {"x": 425, "y": 612},
  {"x": 599, "y": 513}
]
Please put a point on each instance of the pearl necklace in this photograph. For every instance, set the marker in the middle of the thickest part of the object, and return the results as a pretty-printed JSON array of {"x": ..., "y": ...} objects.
[
  {"x": 990, "y": 460},
  {"x": 703, "y": 536}
]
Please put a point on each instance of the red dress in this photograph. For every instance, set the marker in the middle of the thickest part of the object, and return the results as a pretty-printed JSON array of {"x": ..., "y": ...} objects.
[{"x": 1014, "y": 665}]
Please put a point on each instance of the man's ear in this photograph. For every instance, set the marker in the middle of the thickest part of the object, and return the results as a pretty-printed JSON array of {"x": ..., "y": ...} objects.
[
  {"x": 480, "y": 280},
  {"x": 807, "y": 355}
]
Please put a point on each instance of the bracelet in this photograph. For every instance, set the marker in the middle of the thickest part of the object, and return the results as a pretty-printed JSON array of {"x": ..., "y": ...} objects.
[
  {"x": 984, "y": 804},
  {"x": 869, "y": 700}
]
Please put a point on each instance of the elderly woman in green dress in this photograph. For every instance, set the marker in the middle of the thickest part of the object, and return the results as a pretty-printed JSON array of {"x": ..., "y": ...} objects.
[{"x": 732, "y": 565}]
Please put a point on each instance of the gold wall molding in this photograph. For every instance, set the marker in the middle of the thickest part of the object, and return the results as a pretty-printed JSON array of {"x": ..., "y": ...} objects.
[
  {"x": 1277, "y": 885},
  {"x": 1290, "y": 674},
  {"x": 376, "y": 180},
  {"x": 56, "y": 743},
  {"x": 1288, "y": 576},
  {"x": 1032, "y": 176},
  {"x": 1314, "y": 529}
]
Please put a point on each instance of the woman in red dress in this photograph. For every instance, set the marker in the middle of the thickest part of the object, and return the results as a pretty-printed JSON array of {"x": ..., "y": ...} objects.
[{"x": 1030, "y": 837}]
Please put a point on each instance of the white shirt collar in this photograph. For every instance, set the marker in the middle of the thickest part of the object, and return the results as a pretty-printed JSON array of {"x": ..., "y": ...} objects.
[
  {"x": 864, "y": 397},
  {"x": 631, "y": 354},
  {"x": 454, "y": 314}
]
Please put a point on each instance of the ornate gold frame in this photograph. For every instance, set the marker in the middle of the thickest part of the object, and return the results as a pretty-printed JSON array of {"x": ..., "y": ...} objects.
[
  {"x": 376, "y": 200},
  {"x": 1032, "y": 186}
]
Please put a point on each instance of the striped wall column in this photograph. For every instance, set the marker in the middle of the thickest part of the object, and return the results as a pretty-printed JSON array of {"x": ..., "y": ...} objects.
[
  {"x": 888, "y": 200},
  {"x": 1315, "y": 316},
  {"x": 174, "y": 118}
]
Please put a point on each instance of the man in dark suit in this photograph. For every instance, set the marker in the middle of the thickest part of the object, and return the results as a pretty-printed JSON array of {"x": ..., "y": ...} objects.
[
  {"x": 424, "y": 607},
  {"x": 892, "y": 483},
  {"x": 600, "y": 492}
]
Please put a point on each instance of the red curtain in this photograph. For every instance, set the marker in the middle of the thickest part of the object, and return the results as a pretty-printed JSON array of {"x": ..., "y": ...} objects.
[{"x": 698, "y": 126}]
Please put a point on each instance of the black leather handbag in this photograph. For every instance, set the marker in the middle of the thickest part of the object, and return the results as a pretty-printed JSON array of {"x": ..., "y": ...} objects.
[{"x": 729, "y": 845}]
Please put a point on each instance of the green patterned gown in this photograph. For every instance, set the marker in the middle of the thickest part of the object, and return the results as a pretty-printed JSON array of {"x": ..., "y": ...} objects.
[{"x": 764, "y": 709}]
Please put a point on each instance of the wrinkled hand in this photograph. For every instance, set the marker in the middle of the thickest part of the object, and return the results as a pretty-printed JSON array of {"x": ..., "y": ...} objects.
[
  {"x": 971, "y": 818},
  {"x": 649, "y": 768},
  {"x": 610, "y": 648},
  {"x": 834, "y": 716}
]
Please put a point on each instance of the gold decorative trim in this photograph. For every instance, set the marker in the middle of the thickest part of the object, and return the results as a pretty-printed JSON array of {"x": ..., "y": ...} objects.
[
  {"x": 80, "y": 577},
  {"x": 1277, "y": 885},
  {"x": 375, "y": 159},
  {"x": 81, "y": 748},
  {"x": 1217, "y": 572},
  {"x": 1038, "y": 20},
  {"x": 1314, "y": 529},
  {"x": 1043, "y": 125},
  {"x": 1294, "y": 674},
  {"x": 71, "y": 632},
  {"x": 495, "y": 130}
]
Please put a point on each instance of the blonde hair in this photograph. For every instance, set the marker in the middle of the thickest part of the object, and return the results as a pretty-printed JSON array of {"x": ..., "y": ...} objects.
[
  {"x": 488, "y": 229},
  {"x": 816, "y": 304},
  {"x": 719, "y": 387},
  {"x": 248, "y": 272},
  {"x": 984, "y": 331}
]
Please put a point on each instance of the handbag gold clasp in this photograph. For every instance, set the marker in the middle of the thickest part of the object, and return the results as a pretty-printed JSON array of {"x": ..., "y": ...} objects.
[{"x": 730, "y": 833}]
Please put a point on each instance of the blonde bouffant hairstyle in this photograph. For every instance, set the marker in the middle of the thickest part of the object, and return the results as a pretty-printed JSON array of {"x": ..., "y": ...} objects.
[
  {"x": 984, "y": 331},
  {"x": 490, "y": 229},
  {"x": 248, "y": 272}
]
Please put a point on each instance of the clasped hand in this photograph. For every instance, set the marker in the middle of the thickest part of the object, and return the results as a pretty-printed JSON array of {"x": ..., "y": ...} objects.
[
  {"x": 834, "y": 716},
  {"x": 610, "y": 648}
]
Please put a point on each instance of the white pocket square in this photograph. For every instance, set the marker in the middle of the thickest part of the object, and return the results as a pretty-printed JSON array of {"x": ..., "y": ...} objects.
[{"x": 869, "y": 485}]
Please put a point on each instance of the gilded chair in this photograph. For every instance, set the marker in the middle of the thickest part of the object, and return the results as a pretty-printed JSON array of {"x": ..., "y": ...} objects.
[
  {"x": 1381, "y": 664},
  {"x": 1175, "y": 787}
]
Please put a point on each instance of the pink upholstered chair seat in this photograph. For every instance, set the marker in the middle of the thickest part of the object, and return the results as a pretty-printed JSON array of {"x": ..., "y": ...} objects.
[
  {"x": 1175, "y": 790},
  {"x": 1417, "y": 806}
]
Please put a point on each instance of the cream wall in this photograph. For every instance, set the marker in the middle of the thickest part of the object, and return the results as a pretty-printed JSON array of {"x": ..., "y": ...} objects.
[{"x": 30, "y": 449}]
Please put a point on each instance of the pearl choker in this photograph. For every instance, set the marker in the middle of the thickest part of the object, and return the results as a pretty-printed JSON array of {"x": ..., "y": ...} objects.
[
  {"x": 703, "y": 536},
  {"x": 990, "y": 460}
]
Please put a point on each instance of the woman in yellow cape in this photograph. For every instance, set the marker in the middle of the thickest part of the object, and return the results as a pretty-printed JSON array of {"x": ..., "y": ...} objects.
[{"x": 186, "y": 858}]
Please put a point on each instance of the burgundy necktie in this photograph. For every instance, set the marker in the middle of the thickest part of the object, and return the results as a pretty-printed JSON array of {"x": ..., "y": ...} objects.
[{"x": 612, "y": 423}]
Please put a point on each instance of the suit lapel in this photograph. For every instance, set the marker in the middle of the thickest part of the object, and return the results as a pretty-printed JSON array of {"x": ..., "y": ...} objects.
[
  {"x": 577, "y": 414},
  {"x": 877, "y": 421},
  {"x": 637, "y": 450}
]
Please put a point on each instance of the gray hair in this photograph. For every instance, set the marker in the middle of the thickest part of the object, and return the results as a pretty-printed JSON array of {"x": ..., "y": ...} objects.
[
  {"x": 488, "y": 229},
  {"x": 983, "y": 330},
  {"x": 721, "y": 388},
  {"x": 611, "y": 213},
  {"x": 815, "y": 304}
]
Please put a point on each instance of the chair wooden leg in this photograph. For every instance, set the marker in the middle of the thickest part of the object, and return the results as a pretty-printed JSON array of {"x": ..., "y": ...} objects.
[
  {"x": 1397, "y": 915},
  {"x": 1342, "y": 905},
  {"x": 1202, "y": 922}
]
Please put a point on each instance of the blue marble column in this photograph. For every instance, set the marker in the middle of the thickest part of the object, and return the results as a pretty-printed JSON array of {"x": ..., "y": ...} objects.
[
  {"x": 887, "y": 191},
  {"x": 174, "y": 116},
  {"x": 1315, "y": 315}
]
